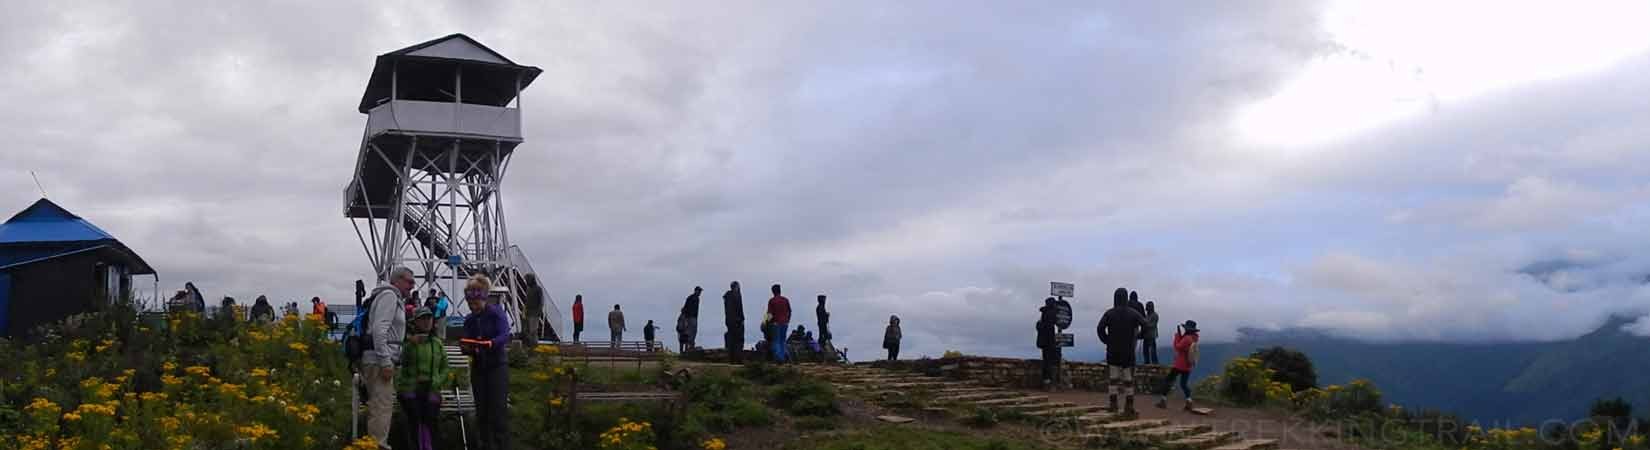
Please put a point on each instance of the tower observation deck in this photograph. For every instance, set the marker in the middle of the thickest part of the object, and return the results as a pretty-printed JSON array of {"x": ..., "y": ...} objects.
[{"x": 443, "y": 121}]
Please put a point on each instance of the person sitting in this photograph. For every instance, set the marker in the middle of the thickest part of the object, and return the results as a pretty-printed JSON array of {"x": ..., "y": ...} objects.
[{"x": 813, "y": 345}]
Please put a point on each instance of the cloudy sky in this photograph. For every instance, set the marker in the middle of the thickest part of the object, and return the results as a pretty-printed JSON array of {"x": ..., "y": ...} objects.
[{"x": 1386, "y": 170}]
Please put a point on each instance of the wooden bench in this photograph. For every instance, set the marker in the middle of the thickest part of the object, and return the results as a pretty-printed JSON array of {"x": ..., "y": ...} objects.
[{"x": 663, "y": 392}]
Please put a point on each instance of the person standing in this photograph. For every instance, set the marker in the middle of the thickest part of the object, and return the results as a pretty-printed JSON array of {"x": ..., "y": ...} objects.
[
  {"x": 779, "y": 311},
  {"x": 532, "y": 324},
  {"x": 891, "y": 337},
  {"x": 1185, "y": 357},
  {"x": 647, "y": 334},
  {"x": 1119, "y": 328},
  {"x": 386, "y": 329},
  {"x": 824, "y": 321},
  {"x": 423, "y": 376},
  {"x": 578, "y": 316},
  {"x": 733, "y": 308},
  {"x": 1134, "y": 303},
  {"x": 1046, "y": 341},
  {"x": 317, "y": 308},
  {"x": 487, "y": 333},
  {"x": 615, "y": 326},
  {"x": 1148, "y": 335},
  {"x": 687, "y": 325},
  {"x": 262, "y": 311},
  {"x": 438, "y": 305}
]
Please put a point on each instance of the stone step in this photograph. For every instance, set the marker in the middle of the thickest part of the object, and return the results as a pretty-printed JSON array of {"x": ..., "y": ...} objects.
[
  {"x": 976, "y": 396},
  {"x": 966, "y": 390},
  {"x": 1097, "y": 417},
  {"x": 1171, "y": 432},
  {"x": 1250, "y": 444},
  {"x": 1067, "y": 411},
  {"x": 1011, "y": 400},
  {"x": 1202, "y": 441},
  {"x": 1029, "y": 408},
  {"x": 1129, "y": 425}
]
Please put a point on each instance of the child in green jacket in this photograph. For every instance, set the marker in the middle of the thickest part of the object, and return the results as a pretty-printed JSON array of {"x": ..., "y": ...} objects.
[{"x": 422, "y": 376}]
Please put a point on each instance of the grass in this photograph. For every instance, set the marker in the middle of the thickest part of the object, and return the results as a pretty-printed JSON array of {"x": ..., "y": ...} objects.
[{"x": 899, "y": 438}]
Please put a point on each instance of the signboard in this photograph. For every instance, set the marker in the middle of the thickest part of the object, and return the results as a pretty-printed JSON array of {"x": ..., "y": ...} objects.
[
  {"x": 1059, "y": 289},
  {"x": 1062, "y": 314},
  {"x": 1065, "y": 339}
]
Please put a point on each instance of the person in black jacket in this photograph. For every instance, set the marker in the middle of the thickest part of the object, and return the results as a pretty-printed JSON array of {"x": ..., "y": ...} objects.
[
  {"x": 647, "y": 334},
  {"x": 824, "y": 321},
  {"x": 733, "y": 307},
  {"x": 1134, "y": 303},
  {"x": 687, "y": 324},
  {"x": 1119, "y": 328},
  {"x": 1045, "y": 341}
]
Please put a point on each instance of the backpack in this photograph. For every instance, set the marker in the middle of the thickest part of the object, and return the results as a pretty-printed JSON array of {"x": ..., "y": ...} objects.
[
  {"x": 1191, "y": 354},
  {"x": 357, "y": 338}
]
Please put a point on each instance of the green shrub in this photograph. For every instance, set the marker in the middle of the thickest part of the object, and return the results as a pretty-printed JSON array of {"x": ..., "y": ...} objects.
[
  {"x": 981, "y": 418},
  {"x": 806, "y": 397},
  {"x": 1358, "y": 397},
  {"x": 1288, "y": 367},
  {"x": 1245, "y": 382},
  {"x": 768, "y": 374}
]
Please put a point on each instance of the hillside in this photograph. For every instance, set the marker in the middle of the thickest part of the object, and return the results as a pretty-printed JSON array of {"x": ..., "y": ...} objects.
[{"x": 1497, "y": 382}]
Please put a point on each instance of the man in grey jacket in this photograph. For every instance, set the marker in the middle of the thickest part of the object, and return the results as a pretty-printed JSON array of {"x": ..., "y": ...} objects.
[{"x": 387, "y": 324}]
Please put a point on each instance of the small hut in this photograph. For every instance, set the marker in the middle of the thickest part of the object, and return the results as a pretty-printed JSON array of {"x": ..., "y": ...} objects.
[{"x": 54, "y": 264}]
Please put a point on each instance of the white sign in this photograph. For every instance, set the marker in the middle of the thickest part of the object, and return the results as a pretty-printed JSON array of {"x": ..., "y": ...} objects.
[
  {"x": 1065, "y": 339},
  {"x": 1059, "y": 289}
]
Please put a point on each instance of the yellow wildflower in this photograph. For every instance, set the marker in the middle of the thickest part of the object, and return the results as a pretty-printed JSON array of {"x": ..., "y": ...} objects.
[
  {"x": 555, "y": 401},
  {"x": 256, "y": 431},
  {"x": 714, "y": 444},
  {"x": 547, "y": 349},
  {"x": 168, "y": 366},
  {"x": 171, "y": 380},
  {"x": 71, "y": 416},
  {"x": 41, "y": 404},
  {"x": 260, "y": 372},
  {"x": 199, "y": 371},
  {"x": 169, "y": 423},
  {"x": 298, "y": 346},
  {"x": 76, "y": 356}
]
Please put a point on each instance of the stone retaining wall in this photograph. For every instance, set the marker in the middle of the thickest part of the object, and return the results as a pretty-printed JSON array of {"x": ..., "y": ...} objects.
[{"x": 1024, "y": 373}]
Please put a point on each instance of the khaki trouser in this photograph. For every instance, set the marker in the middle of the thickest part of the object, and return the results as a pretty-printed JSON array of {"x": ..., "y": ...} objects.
[
  {"x": 1122, "y": 380},
  {"x": 380, "y": 403}
]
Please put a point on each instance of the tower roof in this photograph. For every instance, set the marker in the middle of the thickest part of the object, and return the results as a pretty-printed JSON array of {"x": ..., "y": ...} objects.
[
  {"x": 45, "y": 230},
  {"x": 484, "y": 68}
]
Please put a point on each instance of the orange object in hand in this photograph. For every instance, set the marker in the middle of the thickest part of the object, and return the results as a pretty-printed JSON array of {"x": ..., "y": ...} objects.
[{"x": 477, "y": 342}]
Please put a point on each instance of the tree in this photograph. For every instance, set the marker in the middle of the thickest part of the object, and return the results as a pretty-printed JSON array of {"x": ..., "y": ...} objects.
[
  {"x": 1616, "y": 416},
  {"x": 1288, "y": 367}
]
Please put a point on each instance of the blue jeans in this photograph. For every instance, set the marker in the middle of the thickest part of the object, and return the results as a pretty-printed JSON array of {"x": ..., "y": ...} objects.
[{"x": 778, "y": 344}]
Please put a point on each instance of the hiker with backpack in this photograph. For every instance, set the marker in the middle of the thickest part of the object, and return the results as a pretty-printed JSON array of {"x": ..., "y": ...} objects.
[
  {"x": 1119, "y": 329},
  {"x": 687, "y": 324},
  {"x": 423, "y": 375},
  {"x": 487, "y": 341},
  {"x": 1185, "y": 357},
  {"x": 381, "y": 333}
]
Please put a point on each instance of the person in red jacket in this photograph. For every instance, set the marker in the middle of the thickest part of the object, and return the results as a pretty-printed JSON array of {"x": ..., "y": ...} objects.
[
  {"x": 1185, "y": 357},
  {"x": 578, "y": 316},
  {"x": 779, "y": 308}
]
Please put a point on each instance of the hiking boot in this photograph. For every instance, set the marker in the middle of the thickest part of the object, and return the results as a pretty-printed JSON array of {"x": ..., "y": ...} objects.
[
  {"x": 1162, "y": 403},
  {"x": 1188, "y": 407},
  {"x": 1128, "y": 408},
  {"x": 1111, "y": 406}
]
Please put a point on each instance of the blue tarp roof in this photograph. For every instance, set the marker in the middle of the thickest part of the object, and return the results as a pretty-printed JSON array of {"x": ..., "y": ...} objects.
[
  {"x": 44, "y": 221},
  {"x": 45, "y": 230}
]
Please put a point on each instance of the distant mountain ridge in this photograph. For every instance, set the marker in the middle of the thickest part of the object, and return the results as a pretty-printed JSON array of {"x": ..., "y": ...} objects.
[{"x": 1493, "y": 383}]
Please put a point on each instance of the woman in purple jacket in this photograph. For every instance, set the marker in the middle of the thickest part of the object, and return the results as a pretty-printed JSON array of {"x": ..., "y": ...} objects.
[{"x": 487, "y": 341}]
